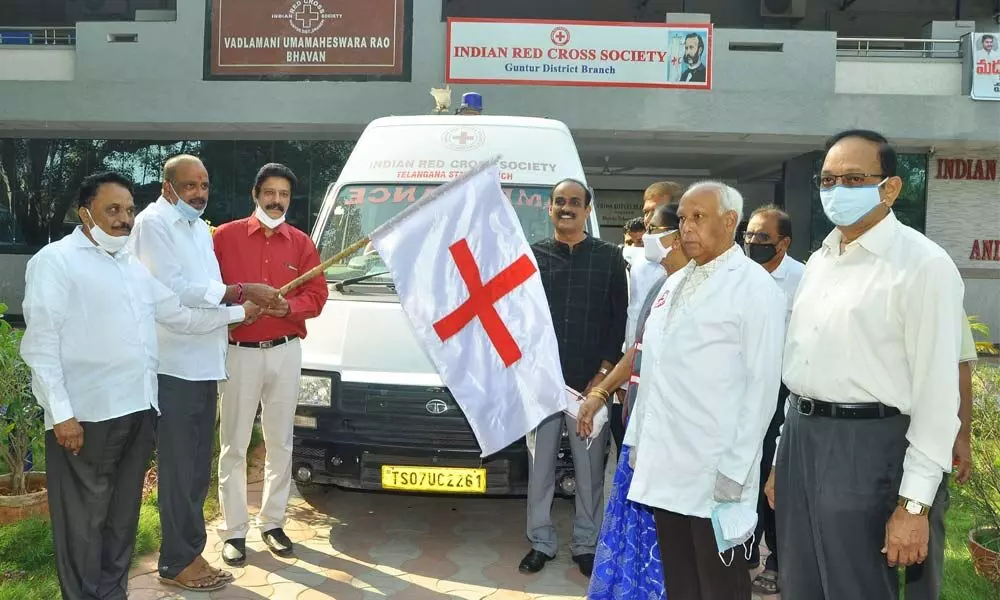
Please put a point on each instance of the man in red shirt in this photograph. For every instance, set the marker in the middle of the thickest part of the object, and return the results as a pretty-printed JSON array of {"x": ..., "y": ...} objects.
[{"x": 264, "y": 359}]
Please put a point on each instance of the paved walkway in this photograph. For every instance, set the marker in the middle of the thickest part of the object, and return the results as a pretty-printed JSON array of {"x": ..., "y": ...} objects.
[
  {"x": 361, "y": 546},
  {"x": 355, "y": 545}
]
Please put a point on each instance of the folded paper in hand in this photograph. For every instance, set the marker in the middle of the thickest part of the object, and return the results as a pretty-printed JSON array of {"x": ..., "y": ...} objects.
[{"x": 573, "y": 403}]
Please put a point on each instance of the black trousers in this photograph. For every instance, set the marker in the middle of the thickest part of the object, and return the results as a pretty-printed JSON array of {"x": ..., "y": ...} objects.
[
  {"x": 766, "y": 526},
  {"x": 94, "y": 500},
  {"x": 185, "y": 433},
  {"x": 837, "y": 485},
  {"x": 692, "y": 567}
]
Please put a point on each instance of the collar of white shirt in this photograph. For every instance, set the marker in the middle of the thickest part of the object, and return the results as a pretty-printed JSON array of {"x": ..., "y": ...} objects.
[
  {"x": 79, "y": 240},
  {"x": 713, "y": 265},
  {"x": 876, "y": 240},
  {"x": 167, "y": 210},
  {"x": 782, "y": 271}
]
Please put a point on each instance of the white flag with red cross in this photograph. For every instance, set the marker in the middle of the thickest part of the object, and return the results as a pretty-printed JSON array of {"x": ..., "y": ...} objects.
[{"x": 469, "y": 284}]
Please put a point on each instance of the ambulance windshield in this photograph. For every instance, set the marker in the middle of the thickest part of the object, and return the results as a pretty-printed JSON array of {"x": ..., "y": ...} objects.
[{"x": 359, "y": 209}]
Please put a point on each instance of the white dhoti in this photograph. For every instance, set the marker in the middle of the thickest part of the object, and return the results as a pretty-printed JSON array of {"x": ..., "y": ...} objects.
[{"x": 257, "y": 377}]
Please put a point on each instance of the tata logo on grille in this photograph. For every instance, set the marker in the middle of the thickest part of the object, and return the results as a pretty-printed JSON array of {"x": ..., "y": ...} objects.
[
  {"x": 306, "y": 16},
  {"x": 436, "y": 407},
  {"x": 463, "y": 138}
]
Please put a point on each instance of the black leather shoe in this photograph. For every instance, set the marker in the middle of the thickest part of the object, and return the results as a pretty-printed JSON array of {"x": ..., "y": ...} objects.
[
  {"x": 534, "y": 562},
  {"x": 278, "y": 542},
  {"x": 234, "y": 552},
  {"x": 585, "y": 562}
]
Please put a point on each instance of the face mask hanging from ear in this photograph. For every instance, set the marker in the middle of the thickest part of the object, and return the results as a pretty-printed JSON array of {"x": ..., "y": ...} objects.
[
  {"x": 188, "y": 212},
  {"x": 105, "y": 241},
  {"x": 267, "y": 220}
]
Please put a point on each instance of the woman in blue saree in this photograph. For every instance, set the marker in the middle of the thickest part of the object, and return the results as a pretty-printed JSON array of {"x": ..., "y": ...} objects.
[
  {"x": 627, "y": 563},
  {"x": 627, "y": 560}
]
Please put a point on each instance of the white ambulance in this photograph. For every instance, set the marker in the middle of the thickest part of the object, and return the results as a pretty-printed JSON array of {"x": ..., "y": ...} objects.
[{"x": 370, "y": 397}]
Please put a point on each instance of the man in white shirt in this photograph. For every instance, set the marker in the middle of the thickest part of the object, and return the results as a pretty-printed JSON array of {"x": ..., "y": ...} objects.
[
  {"x": 90, "y": 342},
  {"x": 766, "y": 241},
  {"x": 711, "y": 369},
  {"x": 175, "y": 244},
  {"x": 870, "y": 361}
]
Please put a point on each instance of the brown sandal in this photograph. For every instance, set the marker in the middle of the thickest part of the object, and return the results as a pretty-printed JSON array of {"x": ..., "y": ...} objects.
[
  {"x": 201, "y": 584},
  {"x": 196, "y": 577},
  {"x": 766, "y": 583}
]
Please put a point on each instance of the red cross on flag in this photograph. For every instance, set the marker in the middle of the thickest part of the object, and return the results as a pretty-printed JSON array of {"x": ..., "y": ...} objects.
[{"x": 469, "y": 284}]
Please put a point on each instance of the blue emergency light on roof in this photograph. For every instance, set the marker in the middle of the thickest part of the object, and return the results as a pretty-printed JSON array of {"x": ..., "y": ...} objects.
[{"x": 472, "y": 100}]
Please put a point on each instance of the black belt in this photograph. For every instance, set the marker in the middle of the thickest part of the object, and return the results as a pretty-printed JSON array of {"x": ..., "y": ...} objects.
[
  {"x": 862, "y": 410},
  {"x": 266, "y": 344}
]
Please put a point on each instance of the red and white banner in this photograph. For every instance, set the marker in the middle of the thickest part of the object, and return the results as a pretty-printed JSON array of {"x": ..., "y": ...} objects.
[
  {"x": 469, "y": 284},
  {"x": 584, "y": 53}
]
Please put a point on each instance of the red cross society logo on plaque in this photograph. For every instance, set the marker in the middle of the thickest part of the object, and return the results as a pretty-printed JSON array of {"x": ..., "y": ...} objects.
[
  {"x": 559, "y": 36},
  {"x": 306, "y": 16}
]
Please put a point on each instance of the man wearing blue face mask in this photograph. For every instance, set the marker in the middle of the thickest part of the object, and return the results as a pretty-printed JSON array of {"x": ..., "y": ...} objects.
[
  {"x": 175, "y": 244},
  {"x": 869, "y": 361}
]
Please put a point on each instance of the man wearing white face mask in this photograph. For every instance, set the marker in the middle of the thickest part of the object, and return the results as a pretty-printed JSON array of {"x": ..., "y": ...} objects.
[
  {"x": 873, "y": 341},
  {"x": 265, "y": 360},
  {"x": 90, "y": 309},
  {"x": 174, "y": 243}
]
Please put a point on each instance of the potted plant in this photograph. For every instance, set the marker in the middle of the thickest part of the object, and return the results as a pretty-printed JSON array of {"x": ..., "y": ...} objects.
[
  {"x": 983, "y": 488},
  {"x": 22, "y": 494}
]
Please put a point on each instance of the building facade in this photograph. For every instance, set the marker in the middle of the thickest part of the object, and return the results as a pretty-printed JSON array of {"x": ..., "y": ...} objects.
[{"x": 125, "y": 84}]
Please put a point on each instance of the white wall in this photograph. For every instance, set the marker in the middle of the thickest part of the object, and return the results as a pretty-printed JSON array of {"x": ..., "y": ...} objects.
[
  {"x": 37, "y": 63},
  {"x": 921, "y": 77},
  {"x": 959, "y": 212}
]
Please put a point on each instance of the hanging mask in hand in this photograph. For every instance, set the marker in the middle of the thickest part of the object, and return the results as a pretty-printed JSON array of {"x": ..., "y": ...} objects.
[{"x": 734, "y": 524}]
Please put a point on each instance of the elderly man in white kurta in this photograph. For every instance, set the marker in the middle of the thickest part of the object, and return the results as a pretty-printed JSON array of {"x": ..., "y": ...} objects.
[{"x": 711, "y": 371}]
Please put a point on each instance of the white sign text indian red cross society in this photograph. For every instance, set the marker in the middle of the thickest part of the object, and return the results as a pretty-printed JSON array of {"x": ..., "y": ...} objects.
[{"x": 538, "y": 52}]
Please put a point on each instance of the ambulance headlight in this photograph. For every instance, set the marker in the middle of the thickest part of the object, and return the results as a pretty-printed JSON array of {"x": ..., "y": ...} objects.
[{"x": 315, "y": 391}]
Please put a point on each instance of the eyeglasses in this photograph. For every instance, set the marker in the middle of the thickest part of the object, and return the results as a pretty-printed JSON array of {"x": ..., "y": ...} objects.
[
  {"x": 655, "y": 229},
  {"x": 826, "y": 181},
  {"x": 756, "y": 237}
]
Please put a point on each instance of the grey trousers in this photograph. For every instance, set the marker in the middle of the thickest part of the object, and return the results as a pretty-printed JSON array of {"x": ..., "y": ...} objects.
[
  {"x": 837, "y": 485},
  {"x": 185, "y": 434},
  {"x": 923, "y": 582},
  {"x": 94, "y": 500},
  {"x": 543, "y": 448}
]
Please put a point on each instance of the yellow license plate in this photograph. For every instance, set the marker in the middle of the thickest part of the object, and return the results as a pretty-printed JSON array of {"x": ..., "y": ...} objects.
[{"x": 448, "y": 480}]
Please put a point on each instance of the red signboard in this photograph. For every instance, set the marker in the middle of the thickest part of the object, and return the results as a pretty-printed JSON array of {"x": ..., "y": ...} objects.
[{"x": 308, "y": 39}]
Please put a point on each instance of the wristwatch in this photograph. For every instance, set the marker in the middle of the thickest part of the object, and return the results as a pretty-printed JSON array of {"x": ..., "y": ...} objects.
[
  {"x": 913, "y": 507},
  {"x": 604, "y": 372}
]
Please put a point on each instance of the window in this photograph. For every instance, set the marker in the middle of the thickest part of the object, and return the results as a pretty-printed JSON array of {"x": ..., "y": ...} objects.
[{"x": 39, "y": 178}]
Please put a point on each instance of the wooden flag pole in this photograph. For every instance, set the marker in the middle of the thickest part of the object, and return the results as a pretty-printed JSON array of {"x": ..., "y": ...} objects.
[{"x": 323, "y": 266}]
